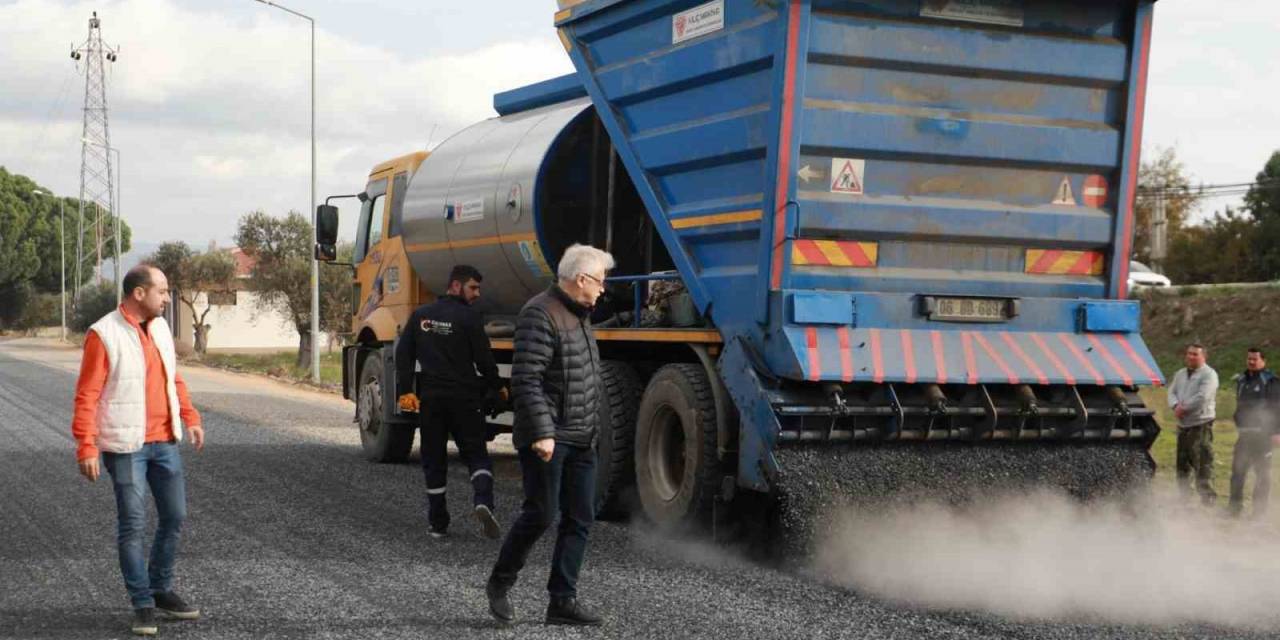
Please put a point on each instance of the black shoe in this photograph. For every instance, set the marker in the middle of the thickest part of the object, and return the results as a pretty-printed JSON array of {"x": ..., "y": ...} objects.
[
  {"x": 437, "y": 533},
  {"x": 568, "y": 611},
  {"x": 499, "y": 604},
  {"x": 488, "y": 524},
  {"x": 144, "y": 622},
  {"x": 170, "y": 605}
]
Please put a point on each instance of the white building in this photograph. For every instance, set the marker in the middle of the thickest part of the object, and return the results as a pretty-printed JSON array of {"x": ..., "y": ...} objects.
[{"x": 237, "y": 323}]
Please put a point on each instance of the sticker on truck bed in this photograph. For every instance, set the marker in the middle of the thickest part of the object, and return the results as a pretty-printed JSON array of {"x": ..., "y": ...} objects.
[
  {"x": 846, "y": 175},
  {"x": 1003, "y": 12},
  {"x": 1064, "y": 194},
  {"x": 1095, "y": 191},
  {"x": 698, "y": 21}
]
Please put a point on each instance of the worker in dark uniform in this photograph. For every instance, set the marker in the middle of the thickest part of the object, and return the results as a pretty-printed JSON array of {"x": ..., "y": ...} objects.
[
  {"x": 446, "y": 338},
  {"x": 1257, "y": 409}
]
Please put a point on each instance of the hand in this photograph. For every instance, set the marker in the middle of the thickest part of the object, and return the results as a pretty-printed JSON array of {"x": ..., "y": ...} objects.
[
  {"x": 1275, "y": 440},
  {"x": 545, "y": 448},
  {"x": 1179, "y": 411},
  {"x": 89, "y": 468},
  {"x": 409, "y": 402},
  {"x": 505, "y": 394},
  {"x": 197, "y": 436}
]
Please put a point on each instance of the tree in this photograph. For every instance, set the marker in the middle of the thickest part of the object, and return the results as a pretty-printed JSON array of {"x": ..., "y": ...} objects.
[
  {"x": 1216, "y": 251},
  {"x": 1163, "y": 177},
  {"x": 29, "y": 232},
  {"x": 191, "y": 274},
  {"x": 96, "y": 300},
  {"x": 335, "y": 295},
  {"x": 19, "y": 228},
  {"x": 282, "y": 249},
  {"x": 1263, "y": 203}
]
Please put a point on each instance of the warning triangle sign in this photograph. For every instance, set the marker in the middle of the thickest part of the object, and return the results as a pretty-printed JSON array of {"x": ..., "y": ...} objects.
[
  {"x": 1064, "y": 194},
  {"x": 846, "y": 175}
]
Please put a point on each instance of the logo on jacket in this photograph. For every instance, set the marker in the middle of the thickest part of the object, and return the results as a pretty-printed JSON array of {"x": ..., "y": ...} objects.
[{"x": 436, "y": 326}]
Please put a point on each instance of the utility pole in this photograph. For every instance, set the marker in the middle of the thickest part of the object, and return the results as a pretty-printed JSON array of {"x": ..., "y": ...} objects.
[
  {"x": 315, "y": 264},
  {"x": 1159, "y": 230},
  {"x": 97, "y": 174}
]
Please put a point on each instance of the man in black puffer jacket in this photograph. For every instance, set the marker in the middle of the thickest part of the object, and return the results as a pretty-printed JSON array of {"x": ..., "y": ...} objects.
[{"x": 555, "y": 386}]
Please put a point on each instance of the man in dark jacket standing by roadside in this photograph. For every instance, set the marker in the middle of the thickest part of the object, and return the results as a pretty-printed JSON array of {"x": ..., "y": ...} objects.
[
  {"x": 447, "y": 339},
  {"x": 1257, "y": 407},
  {"x": 555, "y": 384}
]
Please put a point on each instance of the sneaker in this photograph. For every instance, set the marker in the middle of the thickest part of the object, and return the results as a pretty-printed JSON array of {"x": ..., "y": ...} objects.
[
  {"x": 499, "y": 604},
  {"x": 144, "y": 622},
  {"x": 488, "y": 523},
  {"x": 171, "y": 606},
  {"x": 567, "y": 611},
  {"x": 437, "y": 533}
]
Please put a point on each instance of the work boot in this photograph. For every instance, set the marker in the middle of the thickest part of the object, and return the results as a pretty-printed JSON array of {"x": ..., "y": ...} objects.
[
  {"x": 567, "y": 611},
  {"x": 144, "y": 622},
  {"x": 170, "y": 605},
  {"x": 499, "y": 604},
  {"x": 488, "y": 523}
]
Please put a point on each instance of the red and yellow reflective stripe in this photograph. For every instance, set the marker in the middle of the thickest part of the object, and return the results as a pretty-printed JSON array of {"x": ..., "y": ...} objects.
[
  {"x": 834, "y": 253},
  {"x": 1056, "y": 262}
]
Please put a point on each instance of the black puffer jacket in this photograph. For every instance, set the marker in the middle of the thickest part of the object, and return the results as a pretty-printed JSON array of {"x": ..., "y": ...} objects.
[{"x": 555, "y": 372}]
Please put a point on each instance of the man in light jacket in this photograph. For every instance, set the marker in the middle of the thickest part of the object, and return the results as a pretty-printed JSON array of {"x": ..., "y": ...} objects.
[
  {"x": 1193, "y": 398},
  {"x": 131, "y": 408}
]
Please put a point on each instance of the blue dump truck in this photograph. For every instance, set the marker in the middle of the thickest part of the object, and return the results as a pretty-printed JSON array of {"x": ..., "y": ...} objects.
[{"x": 839, "y": 224}]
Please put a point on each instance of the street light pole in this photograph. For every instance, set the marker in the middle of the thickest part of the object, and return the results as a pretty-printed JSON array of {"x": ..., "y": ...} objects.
[
  {"x": 62, "y": 257},
  {"x": 114, "y": 214},
  {"x": 315, "y": 264}
]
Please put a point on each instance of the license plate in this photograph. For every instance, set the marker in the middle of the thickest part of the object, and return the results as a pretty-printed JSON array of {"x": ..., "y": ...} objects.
[{"x": 970, "y": 309}]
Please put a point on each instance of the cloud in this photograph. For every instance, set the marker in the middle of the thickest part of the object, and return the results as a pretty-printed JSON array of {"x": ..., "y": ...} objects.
[{"x": 211, "y": 110}]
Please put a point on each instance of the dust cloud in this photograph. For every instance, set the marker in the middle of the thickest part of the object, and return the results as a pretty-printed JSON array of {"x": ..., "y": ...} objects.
[{"x": 1148, "y": 560}]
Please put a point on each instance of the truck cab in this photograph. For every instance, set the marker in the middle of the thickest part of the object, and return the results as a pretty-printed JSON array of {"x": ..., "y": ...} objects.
[{"x": 384, "y": 291}]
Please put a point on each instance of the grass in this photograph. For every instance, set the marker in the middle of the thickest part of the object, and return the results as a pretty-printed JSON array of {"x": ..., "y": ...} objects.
[
  {"x": 1227, "y": 322},
  {"x": 279, "y": 364}
]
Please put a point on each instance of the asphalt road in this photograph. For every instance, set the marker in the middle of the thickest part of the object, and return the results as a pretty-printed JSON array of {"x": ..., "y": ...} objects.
[{"x": 292, "y": 535}]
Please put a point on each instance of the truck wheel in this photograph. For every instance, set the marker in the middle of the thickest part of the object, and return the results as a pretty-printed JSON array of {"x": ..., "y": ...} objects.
[
  {"x": 676, "y": 459},
  {"x": 615, "y": 444},
  {"x": 381, "y": 442}
]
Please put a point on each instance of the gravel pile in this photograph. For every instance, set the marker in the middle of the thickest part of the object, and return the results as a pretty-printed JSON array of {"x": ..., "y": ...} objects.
[{"x": 818, "y": 482}]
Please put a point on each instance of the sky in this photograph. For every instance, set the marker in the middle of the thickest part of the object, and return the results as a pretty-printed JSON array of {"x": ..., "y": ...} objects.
[{"x": 210, "y": 99}]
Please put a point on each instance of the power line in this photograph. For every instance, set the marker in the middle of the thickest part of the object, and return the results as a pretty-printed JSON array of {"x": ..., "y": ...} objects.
[{"x": 1211, "y": 190}]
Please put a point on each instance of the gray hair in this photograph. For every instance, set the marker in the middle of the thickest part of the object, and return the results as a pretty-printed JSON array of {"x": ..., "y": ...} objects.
[{"x": 581, "y": 258}]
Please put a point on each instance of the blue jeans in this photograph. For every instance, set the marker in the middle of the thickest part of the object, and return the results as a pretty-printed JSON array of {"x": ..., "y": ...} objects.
[
  {"x": 158, "y": 465},
  {"x": 565, "y": 485}
]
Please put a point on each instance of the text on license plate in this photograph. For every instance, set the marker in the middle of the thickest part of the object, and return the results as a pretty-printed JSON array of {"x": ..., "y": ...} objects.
[{"x": 974, "y": 309}]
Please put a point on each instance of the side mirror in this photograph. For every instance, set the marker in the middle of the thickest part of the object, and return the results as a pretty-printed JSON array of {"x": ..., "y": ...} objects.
[{"x": 326, "y": 233}]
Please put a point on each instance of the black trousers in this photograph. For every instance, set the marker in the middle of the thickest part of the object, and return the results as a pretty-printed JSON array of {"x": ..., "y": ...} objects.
[
  {"x": 1252, "y": 451},
  {"x": 564, "y": 485},
  {"x": 464, "y": 420}
]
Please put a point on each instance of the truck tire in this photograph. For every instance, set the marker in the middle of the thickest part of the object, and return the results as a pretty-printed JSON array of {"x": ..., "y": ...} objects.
[
  {"x": 380, "y": 441},
  {"x": 676, "y": 459},
  {"x": 620, "y": 390}
]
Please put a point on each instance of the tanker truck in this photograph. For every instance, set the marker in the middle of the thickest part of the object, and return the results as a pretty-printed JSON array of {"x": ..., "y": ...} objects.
[{"x": 838, "y": 226}]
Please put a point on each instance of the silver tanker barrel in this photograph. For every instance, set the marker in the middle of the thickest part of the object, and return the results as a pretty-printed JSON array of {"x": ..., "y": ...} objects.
[{"x": 506, "y": 195}]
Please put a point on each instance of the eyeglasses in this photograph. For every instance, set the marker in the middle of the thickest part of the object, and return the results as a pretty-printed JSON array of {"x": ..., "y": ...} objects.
[{"x": 592, "y": 278}]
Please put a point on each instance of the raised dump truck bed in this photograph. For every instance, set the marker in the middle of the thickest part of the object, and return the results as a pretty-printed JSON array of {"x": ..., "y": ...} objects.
[{"x": 909, "y": 220}]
